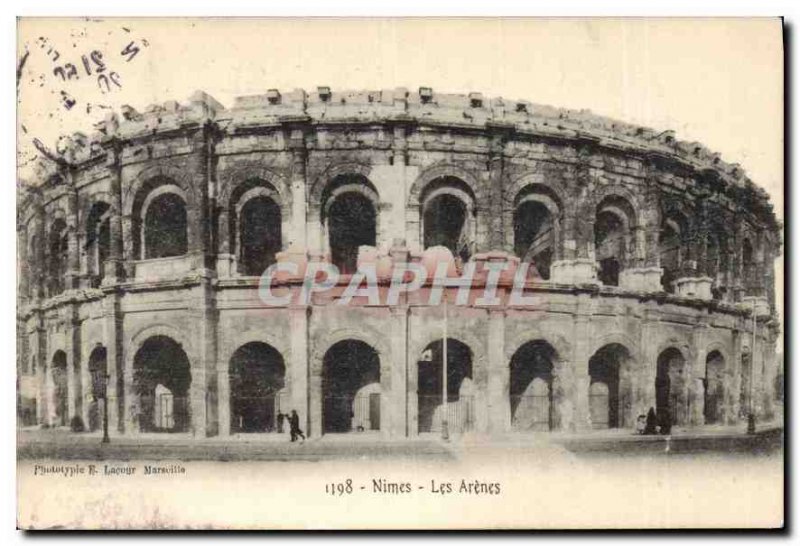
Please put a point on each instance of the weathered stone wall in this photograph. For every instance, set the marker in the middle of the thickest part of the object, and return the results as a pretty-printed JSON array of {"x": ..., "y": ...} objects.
[{"x": 292, "y": 148}]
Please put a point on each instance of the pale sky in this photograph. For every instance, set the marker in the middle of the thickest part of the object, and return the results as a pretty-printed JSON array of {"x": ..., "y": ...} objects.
[{"x": 717, "y": 81}]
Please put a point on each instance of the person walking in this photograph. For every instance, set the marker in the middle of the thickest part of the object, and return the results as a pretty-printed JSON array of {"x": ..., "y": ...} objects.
[
  {"x": 651, "y": 422},
  {"x": 294, "y": 426}
]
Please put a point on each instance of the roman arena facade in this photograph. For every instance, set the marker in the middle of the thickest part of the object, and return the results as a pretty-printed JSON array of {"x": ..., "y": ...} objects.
[{"x": 141, "y": 246}]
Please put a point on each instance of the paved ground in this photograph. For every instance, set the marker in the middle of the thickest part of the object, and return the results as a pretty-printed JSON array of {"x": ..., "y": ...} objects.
[{"x": 62, "y": 444}]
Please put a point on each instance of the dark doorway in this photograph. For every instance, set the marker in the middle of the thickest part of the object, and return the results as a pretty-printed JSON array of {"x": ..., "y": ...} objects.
[
  {"x": 165, "y": 227},
  {"x": 534, "y": 236},
  {"x": 606, "y": 407},
  {"x": 713, "y": 403},
  {"x": 97, "y": 372},
  {"x": 669, "y": 386},
  {"x": 161, "y": 378},
  {"x": 446, "y": 224},
  {"x": 609, "y": 242},
  {"x": 259, "y": 235},
  {"x": 351, "y": 388},
  {"x": 459, "y": 407},
  {"x": 531, "y": 387},
  {"x": 257, "y": 379},
  {"x": 351, "y": 224}
]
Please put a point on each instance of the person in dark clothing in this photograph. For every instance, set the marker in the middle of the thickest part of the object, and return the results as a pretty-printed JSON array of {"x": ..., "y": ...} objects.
[
  {"x": 281, "y": 419},
  {"x": 294, "y": 426},
  {"x": 650, "y": 425}
]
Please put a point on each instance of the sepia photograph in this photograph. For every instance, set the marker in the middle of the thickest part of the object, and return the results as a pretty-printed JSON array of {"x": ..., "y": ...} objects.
[{"x": 399, "y": 273}]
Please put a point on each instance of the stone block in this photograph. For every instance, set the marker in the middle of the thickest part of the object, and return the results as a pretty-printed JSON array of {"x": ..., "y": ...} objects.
[
  {"x": 641, "y": 279},
  {"x": 694, "y": 287},
  {"x": 578, "y": 271}
]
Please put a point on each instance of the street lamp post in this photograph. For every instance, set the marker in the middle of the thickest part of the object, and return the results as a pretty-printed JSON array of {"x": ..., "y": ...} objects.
[
  {"x": 106, "y": 439},
  {"x": 445, "y": 431}
]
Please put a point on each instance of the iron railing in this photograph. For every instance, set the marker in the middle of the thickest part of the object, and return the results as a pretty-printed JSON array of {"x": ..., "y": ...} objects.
[{"x": 460, "y": 413}]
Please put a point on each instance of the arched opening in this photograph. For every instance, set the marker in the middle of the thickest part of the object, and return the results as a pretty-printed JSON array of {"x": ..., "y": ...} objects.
[
  {"x": 612, "y": 223},
  {"x": 161, "y": 380},
  {"x": 671, "y": 401},
  {"x": 670, "y": 238},
  {"x": 748, "y": 267},
  {"x": 98, "y": 241},
  {"x": 351, "y": 389},
  {"x": 259, "y": 234},
  {"x": 98, "y": 371},
  {"x": 58, "y": 253},
  {"x": 531, "y": 387},
  {"x": 60, "y": 389},
  {"x": 460, "y": 404},
  {"x": 609, "y": 387},
  {"x": 534, "y": 236},
  {"x": 33, "y": 266},
  {"x": 713, "y": 383},
  {"x": 448, "y": 217},
  {"x": 165, "y": 226},
  {"x": 257, "y": 382},
  {"x": 351, "y": 224}
]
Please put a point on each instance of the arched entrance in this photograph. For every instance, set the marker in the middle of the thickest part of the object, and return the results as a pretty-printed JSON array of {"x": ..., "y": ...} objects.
[
  {"x": 714, "y": 388},
  {"x": 259, "y": 234},
  {"x": 531, "y": 387},
  {"x": 257, "y": 381},
  {"x": 459, "y": 409},
  {"x": 60, "y": 389},
  {"x": 534, "y": 236},
  {"x": 351, "y": 389},
  {"x": 165, "y": 226},
  {"x": 671, "y": 385},
  {"x": 161, "y": 381},
  {"x": 98, "y": 371},
  {"x": 609, "y": 387}
]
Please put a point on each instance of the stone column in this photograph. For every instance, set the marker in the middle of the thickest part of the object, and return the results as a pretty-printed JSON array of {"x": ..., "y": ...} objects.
[
  {"x": 499, "y": 403},
  {"x": 647, "y": 368},
  {"x": 86, "y": 388},
  {"x": 224, "y": 394},
  {"x": 114, "y": 271},
  {"x": 299, "y": 368},
  {"x": 398, "y": 368},
  {"x": 115, "y": 367},
  {"x": 73, "y": 351},
  {"x": 580, "y": 368},
  {"x": 696, "y": 375}
]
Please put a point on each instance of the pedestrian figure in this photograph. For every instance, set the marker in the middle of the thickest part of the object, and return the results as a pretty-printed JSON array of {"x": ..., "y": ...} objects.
[
  {"x": 640, "y": 424},
  {"x": 281, "y": 417},
  {"x": 650, "y": 424},
  {"x": 294, "y": 426}
]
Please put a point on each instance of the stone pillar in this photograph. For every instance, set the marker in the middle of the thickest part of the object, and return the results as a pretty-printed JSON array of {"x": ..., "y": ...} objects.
[
  {"x": 299, "y": 369},
  {"x": 115, "y": 367},
  {"x": 499, "y": 402},
  {"x": 204, "y": 367},
  {"x": 495, "y": 210},
  {"x": 224, "y": 396},
  {"x": 647, "y": 368},
  {"x": 114, "y": 271},
  {"x": 71, "y": 386},
  {"x": 398, "y": 370},
  {"x": 86, "y": 389},
  {"x": 696, "y": 375},
  {"x": 580, "y": 368}
]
